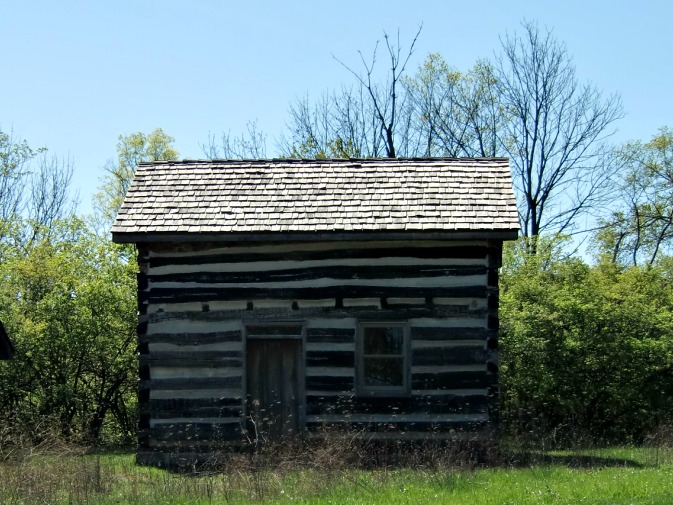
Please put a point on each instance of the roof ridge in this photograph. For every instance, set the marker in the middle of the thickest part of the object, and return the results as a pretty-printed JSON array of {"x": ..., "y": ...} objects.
[{"x": 213, "y": 161}]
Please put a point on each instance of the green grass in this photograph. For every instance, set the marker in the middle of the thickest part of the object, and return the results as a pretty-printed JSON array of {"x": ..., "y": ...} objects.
[{"x": 601, "y": 477}]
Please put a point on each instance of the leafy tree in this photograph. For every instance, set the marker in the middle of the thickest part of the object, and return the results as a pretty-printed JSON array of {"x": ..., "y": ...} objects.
[
  {"x": 455, "y": 114},
  {"x": 131, "y": 150},
  {"x": 585, "y": 351},
  {"x": 642, "y": 228},
  {"x": 68, "y": 302}
]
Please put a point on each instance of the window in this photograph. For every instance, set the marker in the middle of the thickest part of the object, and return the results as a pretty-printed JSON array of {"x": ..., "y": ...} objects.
[{"x": 383, "y": 364}]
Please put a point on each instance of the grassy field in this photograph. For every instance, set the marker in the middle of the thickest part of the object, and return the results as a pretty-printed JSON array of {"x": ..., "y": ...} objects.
[{"x": 606, "y": 476}]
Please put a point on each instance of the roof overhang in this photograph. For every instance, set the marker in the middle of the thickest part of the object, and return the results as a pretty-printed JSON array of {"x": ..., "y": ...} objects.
[{"x": 331, "y": 236}]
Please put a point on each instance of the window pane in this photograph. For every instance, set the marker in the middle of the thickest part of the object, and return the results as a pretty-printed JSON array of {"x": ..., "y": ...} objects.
[
  {"x": 383, "y": 340},
  {"x": 384, "y": 372}
]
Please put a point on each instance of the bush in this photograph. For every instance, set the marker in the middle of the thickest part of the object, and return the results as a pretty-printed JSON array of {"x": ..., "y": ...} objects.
[{"x": 587, "y": 351}]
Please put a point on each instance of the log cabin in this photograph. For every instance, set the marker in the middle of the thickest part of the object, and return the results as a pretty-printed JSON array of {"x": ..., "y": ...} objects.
[{"x": 282, "y": 298}]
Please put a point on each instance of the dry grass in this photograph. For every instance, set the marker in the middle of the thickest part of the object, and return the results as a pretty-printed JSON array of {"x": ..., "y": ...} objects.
[{"x": 339, "y": 469}]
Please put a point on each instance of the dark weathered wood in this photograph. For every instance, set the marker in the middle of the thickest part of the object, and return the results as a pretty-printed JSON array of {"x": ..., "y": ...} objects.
[
  {"x": 193, "y": 412},
  {"x": 451, "y": 380},
  {"x": 273, "y": 395},
  {"x": 192, "y": 360},
  {"x": 193, "y": 338},
  {"x": 274, "y": 330},
  {"x": 315, "y": 273},
  {"x": 443, "y": 333},
  {"x": 330, "y": 383},
  {"x": 389, "y": 312},
  {"x": 426, "y": 404},
  {"x": 433, "y": 356},
  {"x": 332, "y": 335},
  {"x": 330, "y": 358},
  {"x": 192, "y": 383},
  {"x": 443, "y": 251},
  {"x": 190, "y": 294},
  {"x": 206, "y": 356},
  {"x": 186, "y": 407},
  {"x": 194, "y": 431},
  {"x": 310, "y": 236},
  {"x": 397, "y": 427}
]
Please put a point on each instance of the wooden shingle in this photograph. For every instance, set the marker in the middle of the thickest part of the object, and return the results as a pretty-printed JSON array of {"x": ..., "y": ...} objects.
[{"x": 318, "y": 196}]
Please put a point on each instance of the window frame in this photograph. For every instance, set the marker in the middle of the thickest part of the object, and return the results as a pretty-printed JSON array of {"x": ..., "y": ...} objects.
[{"x": 367, "y": 390}]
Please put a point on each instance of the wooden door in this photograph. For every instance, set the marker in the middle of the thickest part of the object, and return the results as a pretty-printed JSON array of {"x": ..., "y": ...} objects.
[{"x": 273, "y": 388}]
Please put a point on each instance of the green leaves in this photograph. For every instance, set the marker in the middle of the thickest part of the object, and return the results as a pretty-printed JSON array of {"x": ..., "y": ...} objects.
[
  {"x": 131, "y": 149},
  {"x": 69, "y": 305},
  {"x": 585, "y": 350},
  {"x": 642, "y": 229}
]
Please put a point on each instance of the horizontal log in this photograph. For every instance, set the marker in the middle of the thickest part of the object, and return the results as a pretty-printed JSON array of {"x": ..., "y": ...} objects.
[
  {"x": 186, "y": 373},
  {"x": 395, "y": 419},
  {"x": 368, "y": 272},
  {"x": 345, "y": 384},
  {"x": 329, "y": 346},
  {"x": 193, "y": 363},
  {"x": 436, "y": 404},
  {"x": 196, "y": 338},
  {"x": 183, "y": 295},
  {"x": 220, "y": 349},
  {"x": 477, "y": 434},
  {"x": 330, "y": 358},
  {"x": 191, "y": 420},
  {"x": 260, "y": 311},
  {"x": 194, "y": 431},
  {"x": 216, "y": 358},
  {"x": 333, "y": 335},
  {"x": 447, "y": 281},
  {"x": 443, "y": 252},
  {"x": 452, "y": 380},
  {"x": 197, "y": 412},
  {"x": 398, "y": 427},
  {"x": 197, "y": 383},
  {"x": 191, "y": 405},
  {"x": 443, "y": 333},
  {"x": 451, "y": 356},
  {"x": 196, "y": 393}
]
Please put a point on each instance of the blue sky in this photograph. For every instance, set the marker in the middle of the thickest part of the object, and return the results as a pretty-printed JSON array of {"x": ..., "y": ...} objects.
[{"x": 77, "y": 74}]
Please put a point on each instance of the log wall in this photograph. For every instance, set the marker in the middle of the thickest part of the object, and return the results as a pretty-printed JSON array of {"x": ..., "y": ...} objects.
[{"x": 196, "y": 300}]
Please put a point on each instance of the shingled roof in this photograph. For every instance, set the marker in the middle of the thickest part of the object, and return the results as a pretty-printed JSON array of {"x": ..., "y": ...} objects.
[{"x": 220, "y": 198}]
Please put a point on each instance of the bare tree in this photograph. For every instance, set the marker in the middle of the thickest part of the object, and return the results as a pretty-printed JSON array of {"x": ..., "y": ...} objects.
[
  {"x": 370, "y": 119},
  {"x": 337, "y": 125},
  {"x": 386, "y": 101},
  {"x": 49, "y": 191},
  {"x": 15, "y": 156},
  {"x": 556, "y": 132},
  {"x": 249, "y": 145}
]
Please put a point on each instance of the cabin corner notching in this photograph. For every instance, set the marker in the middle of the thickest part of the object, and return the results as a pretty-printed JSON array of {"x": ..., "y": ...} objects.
[{"x": 285, "y": 298}]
